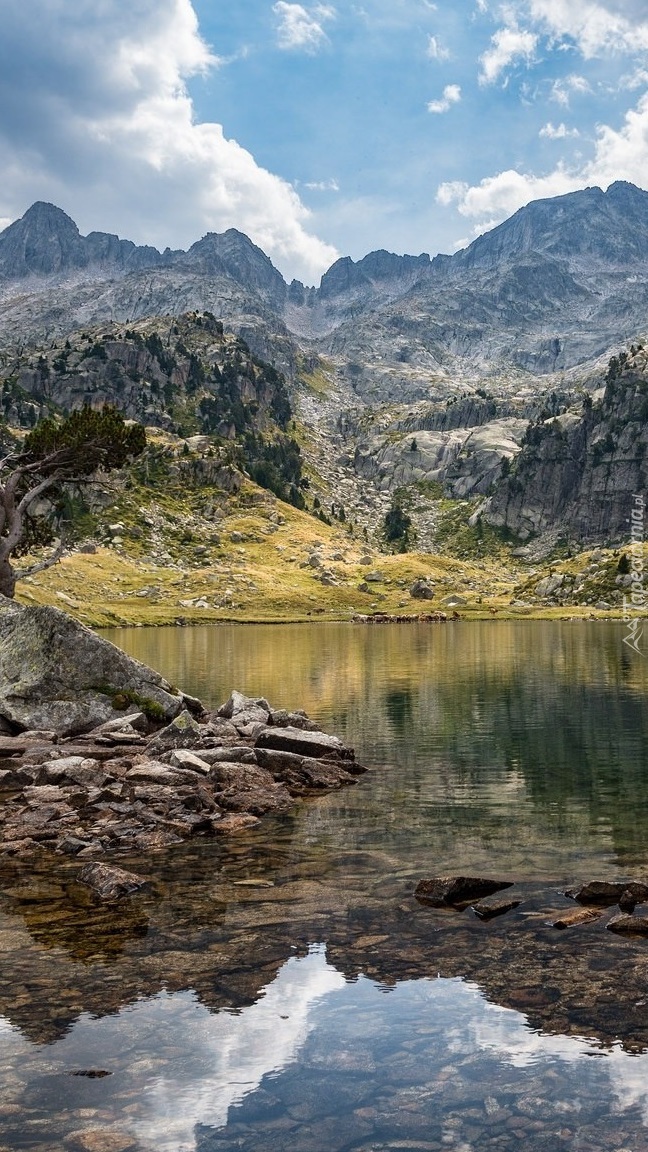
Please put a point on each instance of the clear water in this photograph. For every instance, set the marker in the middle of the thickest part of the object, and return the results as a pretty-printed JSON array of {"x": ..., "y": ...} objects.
[{"x": 285, "y": 990}]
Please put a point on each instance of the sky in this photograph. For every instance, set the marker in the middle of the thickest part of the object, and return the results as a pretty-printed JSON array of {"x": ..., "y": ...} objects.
[{"x": 318, "y": 129}]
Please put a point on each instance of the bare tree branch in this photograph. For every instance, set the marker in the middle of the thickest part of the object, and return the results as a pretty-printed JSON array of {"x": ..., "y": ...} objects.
[{"x": 43, "y": 564}]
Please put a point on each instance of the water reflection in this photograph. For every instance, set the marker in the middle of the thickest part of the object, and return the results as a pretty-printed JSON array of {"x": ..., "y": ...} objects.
[
  {"x": 517, "y": 750},
  {"x": 517, "y": 737},
  {"x": 320, "y": 1062}
]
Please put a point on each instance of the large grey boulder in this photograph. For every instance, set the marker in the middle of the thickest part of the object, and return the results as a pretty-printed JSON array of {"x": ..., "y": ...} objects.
[{"x": 57, "y": 674}]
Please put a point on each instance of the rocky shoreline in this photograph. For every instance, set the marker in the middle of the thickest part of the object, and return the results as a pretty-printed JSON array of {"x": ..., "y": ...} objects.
[
  {"x": 99, "y": 754},
  {"x": 125, "y": 787}
]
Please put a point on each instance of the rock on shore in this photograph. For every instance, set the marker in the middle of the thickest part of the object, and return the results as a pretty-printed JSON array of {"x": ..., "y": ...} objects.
[
  {"x": 99, "y": 753},
  {"x": 57, "y": 674}
]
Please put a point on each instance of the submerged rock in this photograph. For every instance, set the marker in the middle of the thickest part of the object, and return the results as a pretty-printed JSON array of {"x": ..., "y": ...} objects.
[
  {"x": 606, "y": 893},
  {"x": 573, "y": 919},
  {"x": 625, "y": 925},
  {"x": 108, "y": 882},
  {"x": 457, "y": 891},
  {"x": 489, "y": 909}
]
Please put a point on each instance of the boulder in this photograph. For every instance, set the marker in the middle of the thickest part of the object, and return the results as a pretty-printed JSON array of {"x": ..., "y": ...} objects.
[
  {"x": 297, "y": 719},
  {"x": 152, "y": 772},
  {"x": 83, "y": 770},
  {"x": 238, "y": 753},
  {"x": 57, "y": 674},
  {"x": 303, "y": 774},
  {"x": 422, "y": 590},
  {"x": 457, "y": 891},
  {"x": 245, "y": 709},
  {"x": 244, "y": 788},
  {"x": 188, "y": 761},
  {"x": 303, "y": 743},
  {"x": 129, "y": 721}
]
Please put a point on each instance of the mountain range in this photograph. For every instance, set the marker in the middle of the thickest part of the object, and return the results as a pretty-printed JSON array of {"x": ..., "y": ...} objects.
[
  {"x": 462, "y": 351},
  {"x": 559, "y": 283}
]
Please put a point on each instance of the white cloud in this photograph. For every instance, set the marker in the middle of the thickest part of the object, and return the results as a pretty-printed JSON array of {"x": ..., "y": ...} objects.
[
  {"x": 507, "y": 45},
  {"x": 323, "y": 185},
  {"x": 595, "y": 27},
  {"x": 557, "y": 131},
  {"x": 619, "y": 155},
  {"x": 451, "y": 95},
  {"x": 302, "y": 29},
  {"x": 562, "y": 90},
  {"x": 435, "y": 49},
  {"x": 497, "y": 197},
  {"x": 636, "y": 79},
  {"x": 95, "y": 115}
]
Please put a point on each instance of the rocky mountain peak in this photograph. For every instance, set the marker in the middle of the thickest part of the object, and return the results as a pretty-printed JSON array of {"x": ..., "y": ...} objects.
[
  {"x": 44, "y": 241},
  {"x": 235, "y": 254},
  {"x": 606, "y": 227}
]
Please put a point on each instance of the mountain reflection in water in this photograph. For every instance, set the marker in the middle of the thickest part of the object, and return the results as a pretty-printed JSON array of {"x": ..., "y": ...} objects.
[{"x": 317, "y": 1006}]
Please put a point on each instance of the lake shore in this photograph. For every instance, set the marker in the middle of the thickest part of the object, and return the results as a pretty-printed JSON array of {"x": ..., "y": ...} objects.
[{"x": 109, "y": 588}]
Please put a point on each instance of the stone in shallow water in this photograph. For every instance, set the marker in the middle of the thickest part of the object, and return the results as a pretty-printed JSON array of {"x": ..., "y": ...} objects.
[
  {"x": 573, "y": 919},
  {"x": 100, "y": 1140},
  {"x": 605, "y": 892},
  {"x": 110, "y": 883},
  {"x": 488, "y": 909},
  {"x": 455, "y": 891},
  {"x": 625, "y": 925}
]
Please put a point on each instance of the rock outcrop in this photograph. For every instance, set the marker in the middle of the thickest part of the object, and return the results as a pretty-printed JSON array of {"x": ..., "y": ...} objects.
[
  {"x": 577, "y": 472},
  {"x": 59, "y": 676}
]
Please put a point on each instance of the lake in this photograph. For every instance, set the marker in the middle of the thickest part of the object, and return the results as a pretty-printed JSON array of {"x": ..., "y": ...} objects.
[{"x": 284, "y": 990}]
